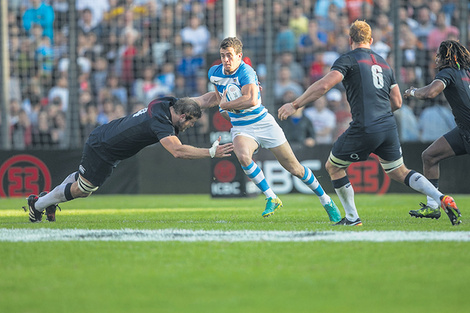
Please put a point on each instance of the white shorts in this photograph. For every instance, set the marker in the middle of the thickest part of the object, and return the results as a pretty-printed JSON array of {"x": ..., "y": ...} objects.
[{"x": 267, "y": 133}]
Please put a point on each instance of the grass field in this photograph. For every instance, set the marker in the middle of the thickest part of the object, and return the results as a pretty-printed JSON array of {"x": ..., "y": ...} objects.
[{"x": 224, "y": 276}]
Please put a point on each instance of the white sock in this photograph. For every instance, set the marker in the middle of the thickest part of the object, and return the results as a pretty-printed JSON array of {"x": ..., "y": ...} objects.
[
  {"x": 57, "y": 195},
  {"x": 70, "y": 179},
  {"x": 257, "y": 176},
  {"x": 421, "y": 184},
  {"x": 346, "y": 196},
  {"x": 311, "y": 181}
]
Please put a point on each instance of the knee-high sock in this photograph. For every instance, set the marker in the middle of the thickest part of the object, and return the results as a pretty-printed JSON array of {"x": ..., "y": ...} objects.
[
  {"x": 59, "y": 194},
  {"x": 257, "y": 176},
  {"x": 421, "y": 184},
  {"x": 71, "y": 178},
  {"x": 345, "y": 192},
  {"x": 311, "y": 181}
]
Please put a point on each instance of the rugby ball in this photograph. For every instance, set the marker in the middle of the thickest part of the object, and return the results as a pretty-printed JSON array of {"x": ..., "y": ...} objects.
[{"x": 232, "y": 92}]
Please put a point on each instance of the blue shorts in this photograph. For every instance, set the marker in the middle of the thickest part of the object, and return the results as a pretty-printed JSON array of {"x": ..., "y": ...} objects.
[{"x": 355, "y": 145}]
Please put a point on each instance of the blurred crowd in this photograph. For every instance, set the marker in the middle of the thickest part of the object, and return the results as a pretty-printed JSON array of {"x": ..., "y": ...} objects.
[{"x": 131, "y": 51}]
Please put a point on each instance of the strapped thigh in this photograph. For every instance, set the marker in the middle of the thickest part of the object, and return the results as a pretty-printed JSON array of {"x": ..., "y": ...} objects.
[
  {"x": 84, "y": 186},
  {"x": 389, "y": 166}
]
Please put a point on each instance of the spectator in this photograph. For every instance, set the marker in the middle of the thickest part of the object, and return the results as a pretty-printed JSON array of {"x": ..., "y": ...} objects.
[
  {"x": 314, "y": 40},
  {"x": 408, "y": 127},
  {"x": 21, "y": 132},
  {"x": 189, "y": 67},
  {"x": 296, "y": 70},
  {"x": 284, "y": 83},
  {"x": 42, "y": 136},
  {"x": 197, "y": 35},
  {"x": 116, "y": 89},
  {"x": 338, "y": 105},
  {"x": 60, "y": 90},
  {"x": 167, "y": 76},
  {"x": 125, "y": 61},
  {"x": 97, "y": 7},
  {"x": 87, "y": 24},
  {"x": 327, "y": 23},
  {"x": 106, "y": 114},
  {"x": 425, "y": 25},
  {"x": 298, "y": 128},
  {"x": 323, "y": 6},
  {"x": 298, "y": 22},
  {"x": 359, "y": 9},
  {"x": 323, "y": 120},
  {"x": 442, "y": 31},
  {"x": 148, "y": 87},
  {"x": 285, "y": 40},
  {"x": 436, "y": 121},
  {"x": 42, "y": 14},
  {"x": 379, "y": 45}
]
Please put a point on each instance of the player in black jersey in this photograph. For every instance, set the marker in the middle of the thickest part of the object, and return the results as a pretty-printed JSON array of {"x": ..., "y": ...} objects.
[
  {"x": 373, "y": 95},
  {"x": 453, "y": 78},
  {"x": 122, "y": 138}
]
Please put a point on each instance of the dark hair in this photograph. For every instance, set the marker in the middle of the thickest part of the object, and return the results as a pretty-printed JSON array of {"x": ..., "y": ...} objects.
[
  {"x": 233, "y": 42},
  {"x": 453, "y": 54},
  {"x": 189, "y": 107}
]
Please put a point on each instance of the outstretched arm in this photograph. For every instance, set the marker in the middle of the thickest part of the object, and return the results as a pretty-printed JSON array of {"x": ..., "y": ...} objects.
[
  {"x": 427, "y": 92},
  {"x": 180, "y": 151},
  {"x": 315, "y": 91},
  {"x": 208, "y": 100}
]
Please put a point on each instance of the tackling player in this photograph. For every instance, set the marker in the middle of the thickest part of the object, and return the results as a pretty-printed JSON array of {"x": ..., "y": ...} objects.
[
  {"x": 453, "y": 78},
  {"x": 253, "y": 127},
  {"x": 122, "y": 138},
  {"x": 373, "y": 95}
]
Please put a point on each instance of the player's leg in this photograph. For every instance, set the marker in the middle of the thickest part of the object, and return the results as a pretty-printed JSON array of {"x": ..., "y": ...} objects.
[
  {"x": 95, "y": 170},
  {"x": 244, "y": 147},
  {"x": 421, "y": 184},
  {"x": 397, "y": 170},
  {"x": 439, "y": 150},
  {"x": 336, "y": 168},
  {"x": 288, "y": 160}
]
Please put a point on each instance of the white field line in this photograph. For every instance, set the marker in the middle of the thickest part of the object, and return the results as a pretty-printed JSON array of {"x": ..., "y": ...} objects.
[{"x": 45, "y": 234}]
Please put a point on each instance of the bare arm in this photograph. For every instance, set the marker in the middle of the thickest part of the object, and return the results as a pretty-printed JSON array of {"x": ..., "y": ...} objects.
[
  {"x": 315, "y": 91},
  {"x": 395, "y": 98},
  {"x": 427, "y": 92},
  {"x": 208, "y": 100},
  {"x": 180, "y": 151},
  {"x": 248, "y": 99}
]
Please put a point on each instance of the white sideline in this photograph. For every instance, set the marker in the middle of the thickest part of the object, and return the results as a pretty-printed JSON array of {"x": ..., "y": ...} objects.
[{"x": 46, "y": 234}]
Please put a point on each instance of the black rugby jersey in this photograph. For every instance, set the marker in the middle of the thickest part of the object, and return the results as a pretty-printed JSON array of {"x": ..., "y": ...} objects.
[
  {"x": 124, "y": 137},
  {"x": 368, "y": 79},
  {"x": 457, "y": 93}
]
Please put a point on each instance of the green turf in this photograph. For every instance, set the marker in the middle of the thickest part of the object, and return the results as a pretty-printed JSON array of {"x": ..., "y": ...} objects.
[{"x": 232, "y": 277}]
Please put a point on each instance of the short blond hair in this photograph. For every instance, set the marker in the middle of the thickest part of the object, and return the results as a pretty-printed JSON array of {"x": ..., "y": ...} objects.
[{"x": 360, "y": 32}]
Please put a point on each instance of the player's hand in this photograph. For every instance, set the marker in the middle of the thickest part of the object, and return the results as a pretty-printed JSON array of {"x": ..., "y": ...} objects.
[
  {"x": 407, "y": 93},
  {"x": 285, "y": 111},
  {"x": 222, "y": 151}
]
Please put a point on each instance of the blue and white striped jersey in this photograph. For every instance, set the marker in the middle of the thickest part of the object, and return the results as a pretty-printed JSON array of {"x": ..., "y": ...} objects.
[{"x": 244, "y": 75}]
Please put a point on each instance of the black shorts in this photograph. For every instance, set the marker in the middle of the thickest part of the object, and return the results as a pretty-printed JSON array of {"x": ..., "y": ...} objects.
[
  {"x": 459, "y": 140},
  {"x": 93, "y": 168},
  {"x": 354, "y": 145}
]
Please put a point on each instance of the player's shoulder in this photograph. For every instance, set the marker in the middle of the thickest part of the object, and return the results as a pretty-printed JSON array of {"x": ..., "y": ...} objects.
[{"x": 215, "y": 70}]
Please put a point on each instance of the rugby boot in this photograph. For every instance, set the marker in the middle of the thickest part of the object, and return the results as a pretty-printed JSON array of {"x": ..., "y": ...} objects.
[
  {"x": 449, "y": 206},
  {"x": 426, "y": 211},
  {"x": 272, "y": 204}
]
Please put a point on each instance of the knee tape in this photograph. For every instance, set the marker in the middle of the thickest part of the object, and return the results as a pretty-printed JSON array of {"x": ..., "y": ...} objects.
[
  {"x": 85, "y": 186},
  {"x": 390, "y": 166}
]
